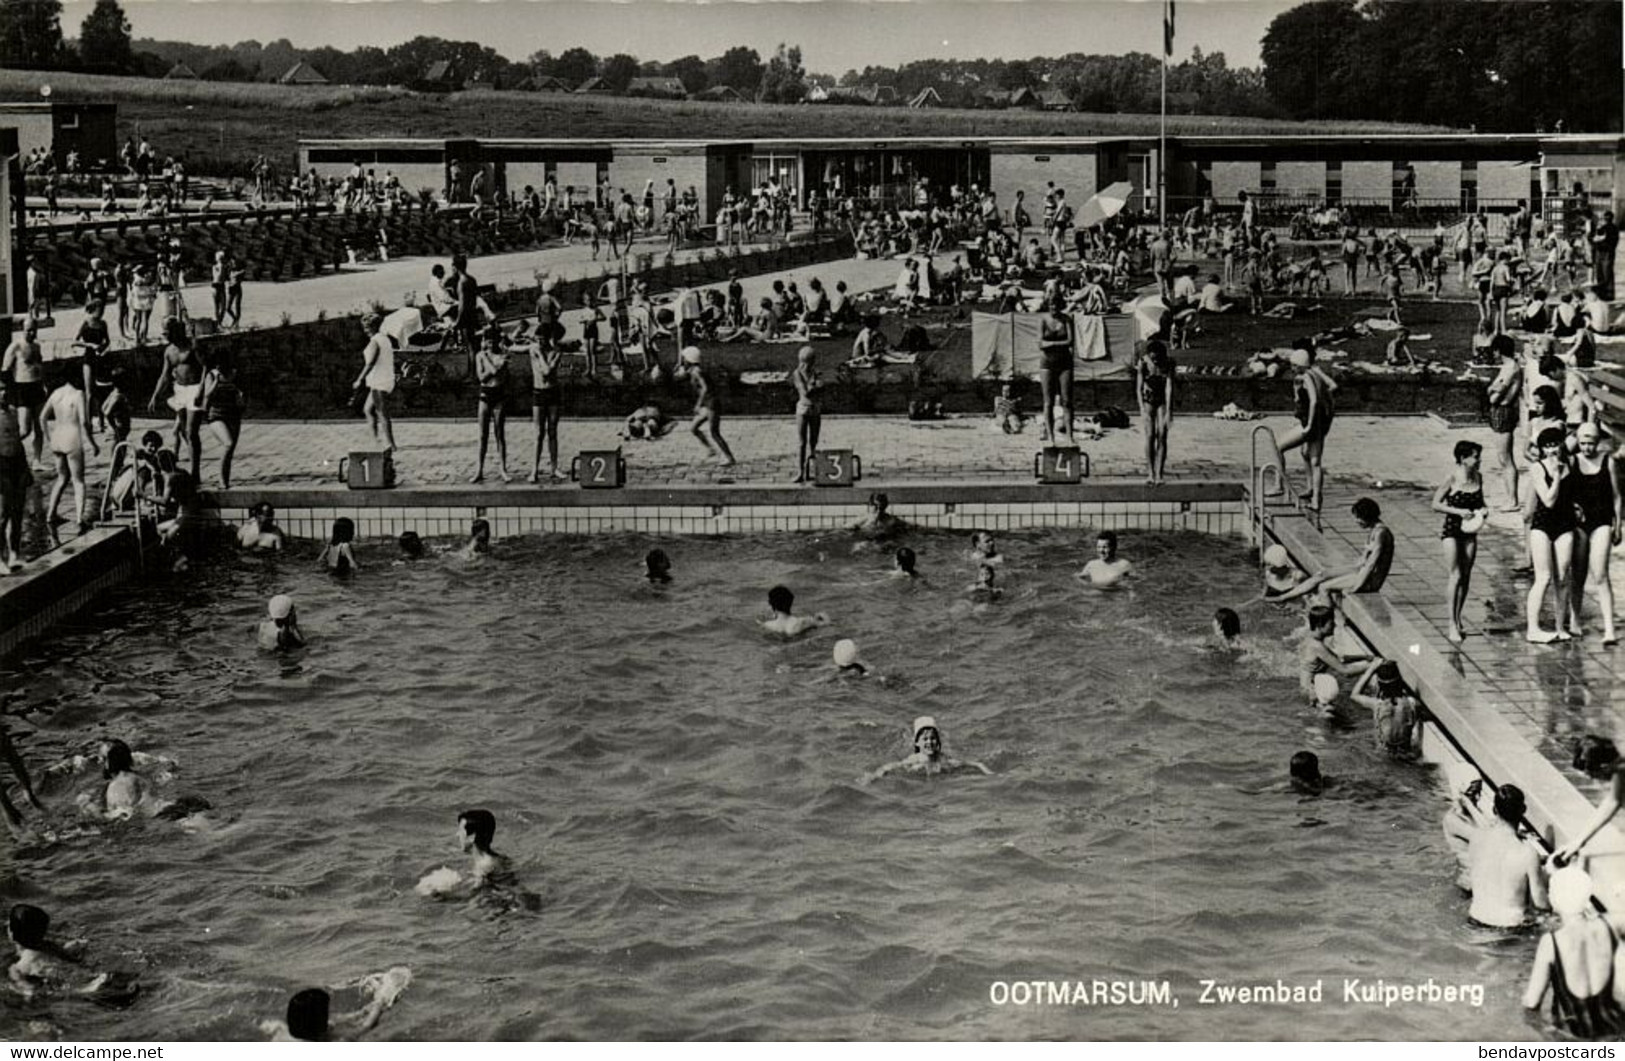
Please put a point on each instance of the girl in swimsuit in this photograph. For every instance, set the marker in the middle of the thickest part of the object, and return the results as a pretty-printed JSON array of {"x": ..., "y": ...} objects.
[
  {"x": 1549, "y": 511},
  {"x": 68, "y": 422},
  {"x": 1594, "y": 486},
  {"x": 223, "y": 412},
  {"x": 491, "y": 366},
  {"x": 1313, "y": 409},
  {"x": 1155, "y": 389},
  {"x": 809, "y": 418},
  {"x": 1577, "y": 964},
  {"x": 1055, "y": 344},
  {"x": 1460, "y": 497}
]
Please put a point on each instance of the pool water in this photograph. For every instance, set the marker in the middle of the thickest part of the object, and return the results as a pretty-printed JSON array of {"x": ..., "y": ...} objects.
[{"x": 681, "y": 791}]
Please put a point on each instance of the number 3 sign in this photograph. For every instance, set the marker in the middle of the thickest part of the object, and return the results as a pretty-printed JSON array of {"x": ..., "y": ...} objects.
[{"x": 835, "y": 467}]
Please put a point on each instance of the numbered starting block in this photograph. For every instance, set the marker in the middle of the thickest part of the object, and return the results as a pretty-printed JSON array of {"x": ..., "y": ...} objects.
[
  {"x": 362, "y": 470},
  {"x": 835, "y": 467},
  {"x": 1060, "y": 464},
  {"x": 599, "y": 469}
]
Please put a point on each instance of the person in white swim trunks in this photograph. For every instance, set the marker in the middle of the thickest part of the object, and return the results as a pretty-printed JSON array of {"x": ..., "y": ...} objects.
[{"x": 183, "y": 372}]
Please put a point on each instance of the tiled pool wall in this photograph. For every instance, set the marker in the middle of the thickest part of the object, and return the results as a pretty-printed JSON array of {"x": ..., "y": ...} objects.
[
  {"x": 54, "y": 586},
  {"x": 1210, "y": 508}
]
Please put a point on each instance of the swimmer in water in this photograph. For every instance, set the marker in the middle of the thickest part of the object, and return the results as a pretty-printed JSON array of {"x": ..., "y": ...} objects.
[
  {"x": 657, "y": 566},
  {"x": 475, "y": 830},
  {"x": 1316, "y": 655},
  {"x": 928, "y": 758},
  {"x": 1396, "y": 713},
  {"x": 1305, "y": 772},
  {"x": 1326, "y": 692},
  {"x": 1280, "y": 575},
  {"x": 126, "y": 789},
  {"x": 309, "y": 1021},
  {"x": 847, "y": 662},
  {"x": 261, "y": 531},
  {"x": 1107, "y": 568},
  {"x": 338, "y": 555},
  {"x": 411, "y": 545},
  {"x": 983, "y": 588},
  {"x": 879, "y": 524},
  {"x": 1227, "y": 628},
  {"x": 903, "y": 562},
  {"x": 479, "y": 540},
  {"x": 781, "y": 600},
  {"x": 1505, "y": 869},
  {"x": 39, "y": 964},
  {"x": 19, "y": 772},
  {"x": 983, "y": 550},
  {"x": 280, "y": 631}
]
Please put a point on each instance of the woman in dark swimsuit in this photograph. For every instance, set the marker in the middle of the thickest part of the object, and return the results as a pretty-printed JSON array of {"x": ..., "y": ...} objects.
[
  {"x": 1549, "y": 511},
  {"x": 1312, "y": 402},
  {"x": 223, "y": 412},
  {"x": 1461, "y": 497},
  {"x": 1595, "y": 490},
  {"x": 1576, "y": 963},
  {"x": 1155, "y": 390},
  {"x": 1055, "y": 345}
]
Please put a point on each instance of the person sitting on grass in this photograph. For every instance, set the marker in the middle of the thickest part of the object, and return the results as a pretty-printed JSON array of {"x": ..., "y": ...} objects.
[
  {"x": 763, "y": 328},
  {"x": 1399, "y": 349}
]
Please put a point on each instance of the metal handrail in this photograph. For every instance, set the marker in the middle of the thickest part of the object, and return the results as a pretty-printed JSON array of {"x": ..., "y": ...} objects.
[{"x": 1261, "y": 486}]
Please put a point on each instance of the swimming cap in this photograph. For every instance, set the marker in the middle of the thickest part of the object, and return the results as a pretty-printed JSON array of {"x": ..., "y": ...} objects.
[
  {"x": 924, "y": 722},
  {"x": 1276, "y": 556},
  {"x": 1587, "y": 430},
  {"x": 1570, "y": 890},
  {"x": 846, "y": 652},
  {"x": 691, "y": 355},
  {"x": 1300, "y": 359},
  {"x": 1326, "y": 688},
  {"x": 281, "y": 605}
]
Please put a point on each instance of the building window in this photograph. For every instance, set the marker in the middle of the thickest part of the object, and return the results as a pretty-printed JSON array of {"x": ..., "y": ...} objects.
[
  {"x": 1469, "y": 195},
  {"x": 1266, "y": 177},
  {"x": 1334, "y": 182}
]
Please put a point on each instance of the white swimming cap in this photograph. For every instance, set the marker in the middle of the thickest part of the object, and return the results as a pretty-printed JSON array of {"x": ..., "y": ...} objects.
[
  {"x": 924, "y": 722},
  {"x": 846, "y": 652},
  {"x": 1300, "y": 359},
  {"x": 1326, "y": 688},
  {"x": 1276, "y": 556},
  {"x": 691, "y": 355},
  {"x": 1570, "y": 890},
  {"x": 281, "y": 605}
]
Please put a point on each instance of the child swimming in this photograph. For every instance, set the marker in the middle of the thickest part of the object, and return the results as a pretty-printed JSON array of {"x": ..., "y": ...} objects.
[
  {"x": 338, "y": 555},
  {"x": 781, "y": 600},
  {"x": 928, "y": 757},
  {"x": 1107, "y": 568},
  {"x": 1227, "y": 627},
  {"x": 657, "y": 566},
  {"x": 903, "y": 562},
  {"x": 280, "y": 630},
  {"x": 479, "y": 540}
]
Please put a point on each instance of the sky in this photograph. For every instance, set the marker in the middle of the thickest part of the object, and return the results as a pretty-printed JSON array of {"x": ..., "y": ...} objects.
[{"x": 834, "y": 35}]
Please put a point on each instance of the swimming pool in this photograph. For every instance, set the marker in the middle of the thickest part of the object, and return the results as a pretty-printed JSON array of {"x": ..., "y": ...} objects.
[{"x": 681, "y": 792}]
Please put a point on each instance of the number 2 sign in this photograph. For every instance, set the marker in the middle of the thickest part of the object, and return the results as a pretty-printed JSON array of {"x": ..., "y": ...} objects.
[{"x": 599, "y": 469}]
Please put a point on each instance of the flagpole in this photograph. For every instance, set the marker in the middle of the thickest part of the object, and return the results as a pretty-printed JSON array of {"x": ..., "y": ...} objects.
[{"x": 1162, "y": 138}]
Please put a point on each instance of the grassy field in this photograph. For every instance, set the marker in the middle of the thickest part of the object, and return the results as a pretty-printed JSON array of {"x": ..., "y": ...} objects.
[{"x": 224, "y": 124}]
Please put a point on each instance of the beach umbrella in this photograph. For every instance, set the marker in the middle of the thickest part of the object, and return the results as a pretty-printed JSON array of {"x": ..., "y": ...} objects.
[
  {"x": 1108, "y": 202},
  {"x": 1148, "y": 312}
]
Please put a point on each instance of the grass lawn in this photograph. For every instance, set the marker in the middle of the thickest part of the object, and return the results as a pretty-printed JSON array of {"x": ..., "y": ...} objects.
[{"x": 215, "y": 123}]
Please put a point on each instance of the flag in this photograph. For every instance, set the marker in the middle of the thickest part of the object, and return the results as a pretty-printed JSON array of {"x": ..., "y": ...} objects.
[{"x": 1168, "y": 28}]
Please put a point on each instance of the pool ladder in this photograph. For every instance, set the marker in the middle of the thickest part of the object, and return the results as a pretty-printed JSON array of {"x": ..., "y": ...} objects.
[
  {"x": 106, "y": 513},
  {"x": 1266, "y": 481}
]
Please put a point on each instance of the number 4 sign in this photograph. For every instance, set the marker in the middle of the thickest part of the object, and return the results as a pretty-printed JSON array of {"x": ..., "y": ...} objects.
[
  {"x": 1060, "y": 464},
  {"x": 835, "y": 467},
  {"x": 599, "y": 469}
]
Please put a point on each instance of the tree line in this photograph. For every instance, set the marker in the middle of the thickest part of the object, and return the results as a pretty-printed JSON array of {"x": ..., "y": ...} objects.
[{"x": 1533, "y": 65}]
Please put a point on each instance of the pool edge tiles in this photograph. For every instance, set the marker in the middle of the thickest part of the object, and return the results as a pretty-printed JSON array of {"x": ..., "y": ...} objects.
[
  {"x": 53, "y": 586},
  {"x": 1216, "y": 507},
  {"x": 1468, "y": 726}
]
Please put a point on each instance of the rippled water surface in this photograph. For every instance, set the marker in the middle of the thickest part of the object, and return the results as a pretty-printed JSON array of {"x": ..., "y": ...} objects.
[{"x": 682, "y": 793}]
